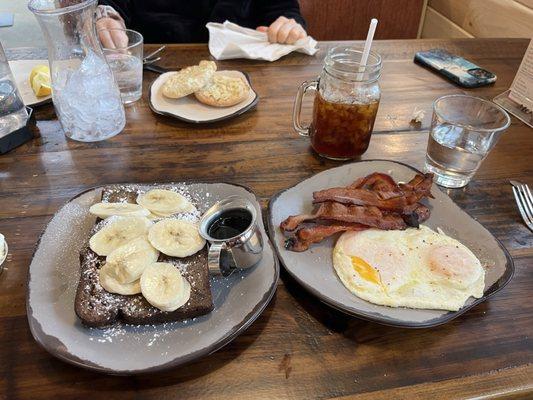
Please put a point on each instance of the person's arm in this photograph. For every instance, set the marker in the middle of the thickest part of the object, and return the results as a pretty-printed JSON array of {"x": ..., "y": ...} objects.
[
  {"x": 122, "y": 7},
  {"x": 281, "y": 20},
  {"x": 110, "y": 15}
]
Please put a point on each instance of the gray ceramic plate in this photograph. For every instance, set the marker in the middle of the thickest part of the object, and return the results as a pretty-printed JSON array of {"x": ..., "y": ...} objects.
[
  {"x": 314, "y": 268},
  {"x": 126, "y": 349}
]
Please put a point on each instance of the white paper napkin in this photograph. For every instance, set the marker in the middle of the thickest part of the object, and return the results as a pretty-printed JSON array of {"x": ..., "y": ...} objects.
[{"x": 229, "y": 40}]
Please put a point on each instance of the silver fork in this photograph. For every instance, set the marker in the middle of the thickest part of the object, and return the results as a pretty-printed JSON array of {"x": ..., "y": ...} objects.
[
  {"x": 524, "y": 200},
  {"x": 151, "y": 58}
]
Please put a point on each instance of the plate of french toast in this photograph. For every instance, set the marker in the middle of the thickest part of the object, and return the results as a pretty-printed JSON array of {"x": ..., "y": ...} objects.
[
  {"x": 120, "y": 283},
  {"x": 202, "y": 93}
]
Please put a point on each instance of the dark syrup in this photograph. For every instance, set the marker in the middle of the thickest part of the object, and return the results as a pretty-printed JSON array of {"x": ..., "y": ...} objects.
[{"x": 230, "y": 223}]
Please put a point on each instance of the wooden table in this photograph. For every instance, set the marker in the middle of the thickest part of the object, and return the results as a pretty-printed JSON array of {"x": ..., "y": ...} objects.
[{"x": 298, "y": 348}]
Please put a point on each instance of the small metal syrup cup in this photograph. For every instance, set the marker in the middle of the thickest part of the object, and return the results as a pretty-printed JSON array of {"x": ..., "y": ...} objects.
[{"x": 238, "y": 252}]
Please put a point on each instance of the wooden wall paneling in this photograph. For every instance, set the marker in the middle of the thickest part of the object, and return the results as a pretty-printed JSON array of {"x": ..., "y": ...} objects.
[
  {"x": 349, "y": 19},
  {"x": 438, "y": 26},
  {"x": 489, "y": 18}
]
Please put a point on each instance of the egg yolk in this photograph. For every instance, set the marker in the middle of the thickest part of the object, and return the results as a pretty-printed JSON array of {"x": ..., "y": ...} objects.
[
  {"x": 454, "y": 264},
  {"x": 365, "y": 270}
]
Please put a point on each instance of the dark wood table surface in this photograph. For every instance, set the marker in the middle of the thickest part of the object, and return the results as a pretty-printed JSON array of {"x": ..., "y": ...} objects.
[{"x": 298, "y": 348}]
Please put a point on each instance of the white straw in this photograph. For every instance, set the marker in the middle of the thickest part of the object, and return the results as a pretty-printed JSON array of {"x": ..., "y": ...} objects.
[{"x": 368, "y": 45}]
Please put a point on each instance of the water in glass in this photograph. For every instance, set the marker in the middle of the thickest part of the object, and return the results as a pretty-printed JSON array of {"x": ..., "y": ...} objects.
[
  {"x": 454, "y": 154},
  {"x": 128, "y": 72},
  {"x": 463, "y": 131}
]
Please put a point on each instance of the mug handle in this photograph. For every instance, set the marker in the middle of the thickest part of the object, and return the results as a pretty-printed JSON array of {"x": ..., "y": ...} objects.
[
  {"x": 215, "y": 263},
  {"x": 297, "y": 110}
]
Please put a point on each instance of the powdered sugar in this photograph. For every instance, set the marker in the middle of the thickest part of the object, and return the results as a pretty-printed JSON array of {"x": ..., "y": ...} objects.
[{"x": 98, "y": 306}]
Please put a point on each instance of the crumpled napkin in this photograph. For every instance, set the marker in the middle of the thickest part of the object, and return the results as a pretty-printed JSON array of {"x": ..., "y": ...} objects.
[{"x": 229, "y": 40}]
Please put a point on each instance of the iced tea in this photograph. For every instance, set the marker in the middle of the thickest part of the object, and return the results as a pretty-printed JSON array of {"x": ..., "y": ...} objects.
[{"x": 342, "y": 130}]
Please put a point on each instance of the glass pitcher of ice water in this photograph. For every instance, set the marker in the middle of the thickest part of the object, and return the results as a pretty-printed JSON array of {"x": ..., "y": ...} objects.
[{"x": 85, "y": 95}]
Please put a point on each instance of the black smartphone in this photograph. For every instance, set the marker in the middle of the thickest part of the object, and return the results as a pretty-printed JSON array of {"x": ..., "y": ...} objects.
[{"x": 455, "y": 68}]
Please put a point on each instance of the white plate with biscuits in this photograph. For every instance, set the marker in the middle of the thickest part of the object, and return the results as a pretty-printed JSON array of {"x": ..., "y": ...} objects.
[{"x": 228, "y": 95}]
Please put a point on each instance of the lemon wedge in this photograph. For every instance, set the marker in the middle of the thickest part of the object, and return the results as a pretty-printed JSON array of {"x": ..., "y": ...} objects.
[
  {"x": 39, "y": 68},
  {"x": 41, "y": 84}
]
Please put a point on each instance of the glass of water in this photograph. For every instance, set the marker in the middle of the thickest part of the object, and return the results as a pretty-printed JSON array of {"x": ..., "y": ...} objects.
[
  {"x": 127, "y": 64},
  {"x": 463, "y": 131},
  {"x": 13, "y": 114}
]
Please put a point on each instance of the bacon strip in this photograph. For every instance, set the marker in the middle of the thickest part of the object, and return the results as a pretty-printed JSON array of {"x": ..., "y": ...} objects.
[
  {"x": 381, "y": 183},
  {"x": 359, "y": 197},
  {"x": 375, "y": 201},
  {"x": 331, "y": 211},
  {"x": 413, "y": 191},
  {"x": 305, "y": 237},
  {"x": 418, "y": 188}
]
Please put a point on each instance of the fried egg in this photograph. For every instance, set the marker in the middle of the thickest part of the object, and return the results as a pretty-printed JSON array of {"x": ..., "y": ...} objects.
[{"x": 415, "y": 268}]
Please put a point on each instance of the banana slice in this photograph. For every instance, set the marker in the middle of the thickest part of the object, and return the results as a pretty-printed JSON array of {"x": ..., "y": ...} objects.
[
  {"x": 163, "y": 286},
  {"x": 109, "y": 282},
  {"x": 117, "y": 232},
  {"x": 176, "y": 238},
  {"x": 164, "y": 203},
  {"x": 130, "y": 260},
  {"x": 105, "y": 210}
]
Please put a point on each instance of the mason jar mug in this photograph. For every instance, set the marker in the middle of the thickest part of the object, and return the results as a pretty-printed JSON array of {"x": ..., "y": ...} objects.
[{"x": 346, "y": 102}]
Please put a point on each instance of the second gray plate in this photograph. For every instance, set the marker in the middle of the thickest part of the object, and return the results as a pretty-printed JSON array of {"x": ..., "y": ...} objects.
[
  {"x": 313, "y": 269},
  {"x": 126, "y": 349}
]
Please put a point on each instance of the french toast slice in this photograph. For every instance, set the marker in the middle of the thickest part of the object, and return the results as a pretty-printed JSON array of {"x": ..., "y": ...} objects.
[{"x": 98, "y": 308}]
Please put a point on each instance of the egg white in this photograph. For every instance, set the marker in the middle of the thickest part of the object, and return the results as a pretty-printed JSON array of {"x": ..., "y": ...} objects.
[{"x": 415, "y": 268}]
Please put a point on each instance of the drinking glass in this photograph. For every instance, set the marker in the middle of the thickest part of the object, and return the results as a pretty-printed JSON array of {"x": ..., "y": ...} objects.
[
  {"x": 13, "y": 114},
  {"x": 463, "y": 131},
  {"x": 347, "y": 95},
  {"x": 126, "y": 64}
]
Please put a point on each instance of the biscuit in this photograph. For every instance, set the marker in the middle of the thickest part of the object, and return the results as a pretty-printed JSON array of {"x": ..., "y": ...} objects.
[
  {"x": 189, "y": 80},
  {"x": 224, "y": 91}
]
